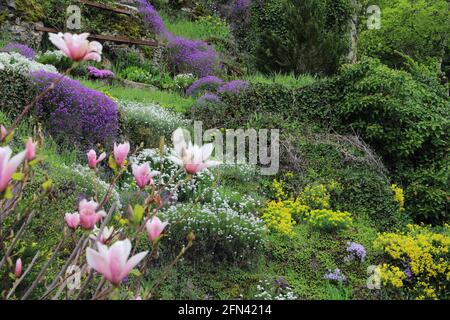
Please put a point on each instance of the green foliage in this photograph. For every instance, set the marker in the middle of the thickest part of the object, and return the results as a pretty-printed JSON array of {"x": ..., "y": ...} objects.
[
  {"x": 328, "y": 220},
  {"x": 314, "y": 40},
  {"x": 288, "y": 80},
  {"x": 418, "y": 29},
  {"x": 17, "y": 90},
  {"x": 161, "y": 80},
  {"x": 402, "y": 116},
  {"x": 137, "y": 74},
  {"x": 123, "y": 59},
  {"x": 56, "y": 59},
  {"x": 31, "y": 10},
  {"x": 307, "y": 257},
  {"x": 221, "y": 233}
]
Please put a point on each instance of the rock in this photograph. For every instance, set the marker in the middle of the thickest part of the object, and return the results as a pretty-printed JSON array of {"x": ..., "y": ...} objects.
[
  {"x": 11, "y": 4},
  {"x": 281, "y": 283},
  {"x": 23, "y": 32}
]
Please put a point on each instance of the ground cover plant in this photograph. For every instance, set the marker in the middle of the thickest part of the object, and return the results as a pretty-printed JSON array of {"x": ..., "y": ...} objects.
[{"x": 110, "y": 191}]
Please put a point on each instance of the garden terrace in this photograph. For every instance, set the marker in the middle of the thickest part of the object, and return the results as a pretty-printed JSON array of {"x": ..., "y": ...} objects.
[{"x": 115, "y": 187}]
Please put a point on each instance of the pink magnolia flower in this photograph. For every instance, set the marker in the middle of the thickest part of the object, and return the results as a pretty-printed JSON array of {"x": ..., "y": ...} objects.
[
  {"x": 191, "y": 157},
  {"x": 30, "y": 149},
  {"x": 104, "y": 237},
  {"x": 155, "y": 227},
  {"x": 88, "y": 214},
  {"x": 8, "y": 166},
  {"x": 18, "y": 269},
  {"x": 77, "y": 47},
  {"x": 3, "y": 133},
  {"x": 113, "y": 262},
  {"x": 72, "y": 220},
  {"x": 121, "y": 152},
  {"x": 143, "y": 175},
  {"x": 92, "y": 159}
]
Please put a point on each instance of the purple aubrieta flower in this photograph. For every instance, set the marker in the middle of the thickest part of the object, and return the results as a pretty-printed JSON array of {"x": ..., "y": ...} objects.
[
  {"x": 208, "y": 83},
  {"x": 24, "y": 50},
  {"x": 100, "y": 74},
  {"x": 188, "y": 56},
  {"x": 355, "y": 251},
  {"x": 208, "y": 97},
  {"x": 335, "y": 275},
  {"x": 408, "y": 272},
  {"x": 152, "y": 17},
  {"x": 83, "y": 116},
  {"x": 234, "y": 86}
]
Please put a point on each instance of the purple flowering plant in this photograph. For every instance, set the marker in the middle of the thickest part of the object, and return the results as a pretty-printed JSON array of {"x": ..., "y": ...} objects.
[
  {"x": 355, "y": 251},
  {"x": 74, "y": 112},
  {"x": 205, "y": 84},
  {"x": 99, "y": 74},
  {"x": 208, "y": 97},
  {"x": 234, "y": 86},
  {"x": 186, "y": 56},
  {"x": 335, "y": 275},
  {"x": 24, "y": 50}
]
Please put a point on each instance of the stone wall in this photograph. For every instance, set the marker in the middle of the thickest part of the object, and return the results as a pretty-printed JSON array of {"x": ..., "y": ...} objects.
[{"x": 18, "y": 30}]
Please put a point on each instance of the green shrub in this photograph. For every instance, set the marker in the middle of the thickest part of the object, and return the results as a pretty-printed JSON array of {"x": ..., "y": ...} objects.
[
  {"x": 221, "y": 233},
  {"x": 328, "y": 220},
  {"x": 31, "y": 10},
  {"x": 314, "y": 39},
  {"x": 428, "y": 41},
  {"x": 402, "y": 116},
  {"x": 17, "y": 91},
  {"x": 136, "y": 74},
  {"x": 56, "y": 59}
]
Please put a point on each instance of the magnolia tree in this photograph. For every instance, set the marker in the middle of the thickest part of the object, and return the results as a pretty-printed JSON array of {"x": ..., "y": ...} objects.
[{"x": 99, "y": 250}]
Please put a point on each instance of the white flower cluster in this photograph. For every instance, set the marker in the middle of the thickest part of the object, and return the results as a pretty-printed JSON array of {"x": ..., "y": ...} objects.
[
  {"x": 245, "y": 172},
  {"x": 16, "y": 62},
  {"x": 160, "y": 119},
  {"x": 226, "y": 219},
  {"x": 268, "y": 294},
  {"x": 184, "y": 80},
  {"x": 90, "y": 180},
  {"x": 184, "y": 76},
  {"x": 239, "y": 232}
]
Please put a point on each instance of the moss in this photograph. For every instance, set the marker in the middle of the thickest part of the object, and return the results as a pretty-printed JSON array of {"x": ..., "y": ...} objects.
[
  {"x": 3, "y": 17},
  {"x": 30, "y": 10}
]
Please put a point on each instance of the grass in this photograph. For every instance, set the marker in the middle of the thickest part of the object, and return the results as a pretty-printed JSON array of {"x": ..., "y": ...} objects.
[
  {"x": 168, "y": 99},
  {"x": 203, "y": 29},
  {"x": 288, "y": 80}
]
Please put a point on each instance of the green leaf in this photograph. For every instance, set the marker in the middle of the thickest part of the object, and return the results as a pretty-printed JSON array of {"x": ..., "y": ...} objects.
[
  {"x": 138, "y": 213},
  {"x": 8, "y": 193},
  {"x": 112, "y": 164},
  {"x": 47, "y": 184},
  {"x": 17, "y": 176}
]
